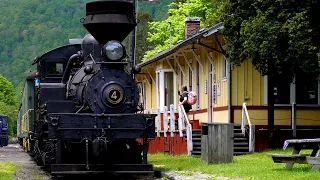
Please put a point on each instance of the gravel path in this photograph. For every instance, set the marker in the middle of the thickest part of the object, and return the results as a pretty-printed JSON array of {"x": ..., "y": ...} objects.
[
  {"x": 187, "y": 175},
  {"x": 28, "y": 170},
  {"x": 26, "y": 167}
]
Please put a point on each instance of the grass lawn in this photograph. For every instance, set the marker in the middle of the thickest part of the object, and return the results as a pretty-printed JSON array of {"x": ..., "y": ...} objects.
[
  {"x": 253, "y": 166},
  {"x": 7, "y": 170}
]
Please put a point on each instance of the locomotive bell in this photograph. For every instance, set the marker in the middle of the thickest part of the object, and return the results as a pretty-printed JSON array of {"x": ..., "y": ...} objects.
[{"x": 109, "y": 20}]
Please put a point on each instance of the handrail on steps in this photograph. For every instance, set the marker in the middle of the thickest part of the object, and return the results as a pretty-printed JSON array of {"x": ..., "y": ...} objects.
[
  {"x": 245, "y": 118},
  {"x": 188, "y": 128}
]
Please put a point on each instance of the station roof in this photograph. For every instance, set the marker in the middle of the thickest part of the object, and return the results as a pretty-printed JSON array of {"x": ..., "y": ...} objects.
[{"x": 201, "y": 34}]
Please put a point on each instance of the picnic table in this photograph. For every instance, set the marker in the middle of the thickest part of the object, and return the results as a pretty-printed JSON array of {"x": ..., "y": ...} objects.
[{"x": 296, "y": 157}]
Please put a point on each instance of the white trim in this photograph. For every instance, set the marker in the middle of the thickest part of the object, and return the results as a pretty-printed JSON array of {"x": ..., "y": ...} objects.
[
  {"x": 144, "y": 93},
  {"x": 210, "y": 94},
  {"x": 198, "y": 85},
  {"x": 265, "y": 90},
  {"x": 157, "y": 88},
  {"x": 224, "y": 68},
  {"x": 161, "y": 96}
]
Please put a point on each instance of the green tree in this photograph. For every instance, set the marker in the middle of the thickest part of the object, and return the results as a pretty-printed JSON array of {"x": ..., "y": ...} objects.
[
  {"x": 6, "y": 91},
  {"x": 159, "y": 35},
  {"x": 279, "y": 37},
  {"x": 143, "y": 44},
  {"x": 8, "y": 103}
]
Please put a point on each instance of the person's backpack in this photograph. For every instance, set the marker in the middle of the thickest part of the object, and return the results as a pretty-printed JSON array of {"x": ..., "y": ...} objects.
[{"x": 192, "y": 98}]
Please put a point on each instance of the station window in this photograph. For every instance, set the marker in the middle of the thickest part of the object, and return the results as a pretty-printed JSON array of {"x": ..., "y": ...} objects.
[
  {"x": 306, "y": 90},
  {"x": 281, "y": 90},
  {"x": 169, "y": 88},
  {"x": 224, "y": 68}
]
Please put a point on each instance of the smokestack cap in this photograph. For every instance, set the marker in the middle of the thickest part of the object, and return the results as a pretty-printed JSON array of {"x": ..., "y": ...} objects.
[{"x": 109, "y": 20}]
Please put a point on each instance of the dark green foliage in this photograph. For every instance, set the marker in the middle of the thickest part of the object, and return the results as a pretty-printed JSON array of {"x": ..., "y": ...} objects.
[
  {"x": 7, "y": 102},
  {"x": 283, "y": 33},
  {"x": 158, "y": 10},
  {"x": 31, "y": 28}
]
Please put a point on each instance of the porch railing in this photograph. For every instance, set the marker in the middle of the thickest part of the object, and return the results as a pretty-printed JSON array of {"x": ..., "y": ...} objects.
[
  {"x": 183, "y": 114},
  {"x": 245, "y": 119},
  {"x": 168, "y": 124}
]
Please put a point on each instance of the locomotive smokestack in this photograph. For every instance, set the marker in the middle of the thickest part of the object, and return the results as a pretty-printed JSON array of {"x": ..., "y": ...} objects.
[{"x": 109, "y": 20}]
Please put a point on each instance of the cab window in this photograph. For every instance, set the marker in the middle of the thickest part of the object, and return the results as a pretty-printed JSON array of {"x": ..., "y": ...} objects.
[{"x": 55, "y": 68}]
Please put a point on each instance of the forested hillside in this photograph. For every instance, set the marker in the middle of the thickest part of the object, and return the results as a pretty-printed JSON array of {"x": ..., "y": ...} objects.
[{"x": 30, "y": 28}]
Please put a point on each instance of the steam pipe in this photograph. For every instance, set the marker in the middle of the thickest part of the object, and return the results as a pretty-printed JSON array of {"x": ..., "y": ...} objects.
[{"x": 68, "y": 68}]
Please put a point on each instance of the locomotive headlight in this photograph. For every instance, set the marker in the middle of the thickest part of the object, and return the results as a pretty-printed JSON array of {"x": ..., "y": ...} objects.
[{"x": 113, "y": 50}]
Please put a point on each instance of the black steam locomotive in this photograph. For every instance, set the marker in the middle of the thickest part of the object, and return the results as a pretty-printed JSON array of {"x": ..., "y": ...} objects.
[{"x": 85, "y": 101}]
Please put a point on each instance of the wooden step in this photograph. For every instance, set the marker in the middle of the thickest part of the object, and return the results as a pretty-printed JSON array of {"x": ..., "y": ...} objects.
[
  {"x": 197, "y": 149},
  {"x": 196, "y": 135},
  {"x": 196, "y": 131},
  {"x": 237, "y": 131},
  {"x": 238, "y": 135},
  {"x": 240, "y": 139},
  {"x": 240, "y": 144},
  {"x": 196, "y": 153},
  {"x": 196, "y": 139},
  {"x": 196, "y": 144},
  {"x": 240, "y": 148}
]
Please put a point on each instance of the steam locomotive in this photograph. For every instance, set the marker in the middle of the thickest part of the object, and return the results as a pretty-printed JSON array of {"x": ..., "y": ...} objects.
[
  {"x": 79, "y": 110},
  {"x": 3, "y": 130}
]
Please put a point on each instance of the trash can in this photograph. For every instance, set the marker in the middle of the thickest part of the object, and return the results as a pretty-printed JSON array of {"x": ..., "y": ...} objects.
[{"x": 217, "y": 143}]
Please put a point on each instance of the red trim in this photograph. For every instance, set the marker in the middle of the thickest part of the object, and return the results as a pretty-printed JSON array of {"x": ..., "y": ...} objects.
[
  {"x": 257, "y": 127},
  {"x": 275, "y": 107},
  {"x": 223, "y": 108},
  {"x": 198, "y": 111}
]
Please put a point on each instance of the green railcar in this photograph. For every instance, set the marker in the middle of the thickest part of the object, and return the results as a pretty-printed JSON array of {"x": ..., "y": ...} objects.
[{"x": 26, "y": 112}]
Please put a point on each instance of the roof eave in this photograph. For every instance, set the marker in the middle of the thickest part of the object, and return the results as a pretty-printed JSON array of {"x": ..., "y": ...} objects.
[{"x": 205, "y": 33}]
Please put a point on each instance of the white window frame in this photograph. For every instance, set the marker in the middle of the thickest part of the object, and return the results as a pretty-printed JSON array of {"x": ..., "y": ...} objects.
[
  {"x": 198, "y": 87},
  {"x": 161, "y": 88},
  {"x": 224, "y": 69},
  {"x": 144, "y": 94}
]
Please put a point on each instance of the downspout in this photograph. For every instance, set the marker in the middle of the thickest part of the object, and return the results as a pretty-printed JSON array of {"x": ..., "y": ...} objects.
[{"x": 229, "y": 92}]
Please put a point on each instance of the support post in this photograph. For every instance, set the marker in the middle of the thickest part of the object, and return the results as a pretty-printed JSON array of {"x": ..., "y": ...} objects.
[
  {"x": 180, "y": 121},
  {"x": 252, "y": 138},
  {"x": 165, "y": 120},
  {"x": 270, "y": 108},
  {"x": 244, "y": 119},
  {"x": 172, "y": 120},
  {"x": 158, "y": 123},
  {"x": 294, "y": 120}
]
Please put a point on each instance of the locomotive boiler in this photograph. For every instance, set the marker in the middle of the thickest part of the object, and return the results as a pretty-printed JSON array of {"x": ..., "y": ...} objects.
[{"x": 85, "y": 104}]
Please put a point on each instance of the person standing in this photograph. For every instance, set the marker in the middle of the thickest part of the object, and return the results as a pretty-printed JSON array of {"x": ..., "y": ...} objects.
[{"x": 184, "y": 99}]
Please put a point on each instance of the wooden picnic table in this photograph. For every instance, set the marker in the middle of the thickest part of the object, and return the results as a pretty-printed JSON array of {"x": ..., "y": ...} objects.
[{"x": 296, "y": 157}]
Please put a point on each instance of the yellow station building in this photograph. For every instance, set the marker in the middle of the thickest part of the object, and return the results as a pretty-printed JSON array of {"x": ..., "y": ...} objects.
[{"x": 200, "y": 63}]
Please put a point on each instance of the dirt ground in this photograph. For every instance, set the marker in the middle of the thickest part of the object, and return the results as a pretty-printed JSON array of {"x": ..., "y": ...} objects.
[
  {"x": 26, "y": 167},
  {"x": 28, "y": 170}
]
